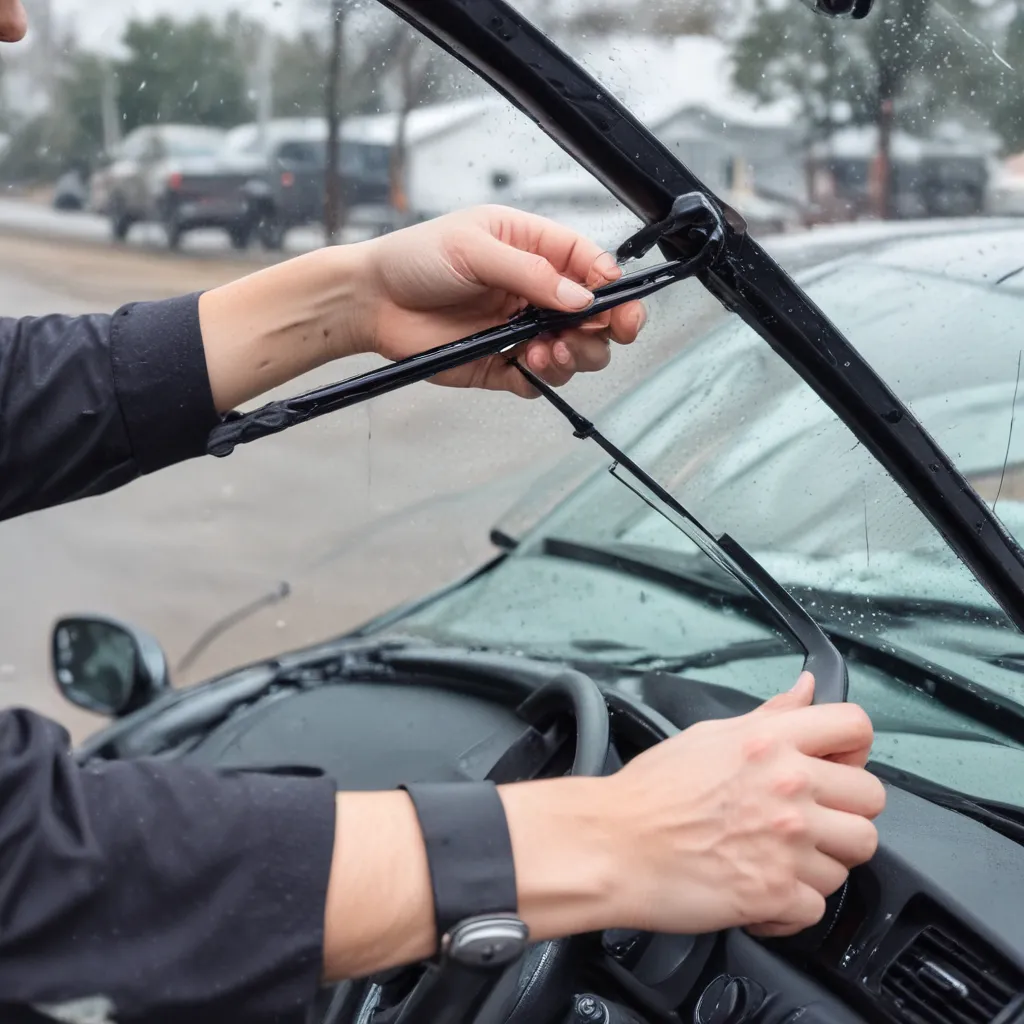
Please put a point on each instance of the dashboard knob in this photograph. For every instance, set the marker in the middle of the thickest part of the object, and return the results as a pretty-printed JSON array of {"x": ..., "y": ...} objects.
[
  {"x": 729, "y": 1000},
  {"x": 625, "y": 945}
]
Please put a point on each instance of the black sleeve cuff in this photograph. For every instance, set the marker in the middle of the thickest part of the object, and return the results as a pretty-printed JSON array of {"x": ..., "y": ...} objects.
[
  {"x": 174, "y": 891},
  {"x": 162, "y": 382}
]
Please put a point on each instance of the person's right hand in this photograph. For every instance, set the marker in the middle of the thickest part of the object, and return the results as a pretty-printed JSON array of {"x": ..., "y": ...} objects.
[{"x": 748, "y": 821}]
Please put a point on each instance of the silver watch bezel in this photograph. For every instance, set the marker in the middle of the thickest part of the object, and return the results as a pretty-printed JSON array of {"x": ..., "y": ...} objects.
[{"x": 487, "y": 941}]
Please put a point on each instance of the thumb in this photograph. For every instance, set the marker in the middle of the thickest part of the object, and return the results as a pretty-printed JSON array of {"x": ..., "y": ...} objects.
[
  {"x": 799, "y": 697},
  {"x": 526, "y": 275}
]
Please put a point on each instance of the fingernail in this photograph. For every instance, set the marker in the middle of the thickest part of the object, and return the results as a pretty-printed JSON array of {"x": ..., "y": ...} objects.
[
  {"x": 803, "y": 680},
  {"x": 643, "y": 319},
  {"x": 561, "y": 353},
  {"x": 573, "y": 295},
  {"x": 606, "y": 266}
]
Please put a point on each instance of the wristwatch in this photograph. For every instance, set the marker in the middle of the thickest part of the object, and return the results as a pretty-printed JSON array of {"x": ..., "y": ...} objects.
[{"x": 472, "y": 873}]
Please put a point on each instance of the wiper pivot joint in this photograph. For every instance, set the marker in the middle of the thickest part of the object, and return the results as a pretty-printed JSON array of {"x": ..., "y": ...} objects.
[{"x": 693, "y": 218}]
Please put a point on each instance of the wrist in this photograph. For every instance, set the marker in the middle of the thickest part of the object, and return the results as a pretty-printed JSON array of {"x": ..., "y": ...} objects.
[
  {"x": 274, "y": 325},
  {"x": 347, "y": 305},
  {"x": 567, "y": 860}
]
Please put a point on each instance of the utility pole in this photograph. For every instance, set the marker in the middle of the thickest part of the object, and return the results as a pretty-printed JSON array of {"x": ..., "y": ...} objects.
[
  {"x": 334, "y": 212},
  {"x": 45, "y": 58},
  {"x": 109, "y": 108},
  {"x": 265, "y": 81}
]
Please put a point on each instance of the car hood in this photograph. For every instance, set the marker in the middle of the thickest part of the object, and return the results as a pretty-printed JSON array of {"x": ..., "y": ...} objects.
[{"x": 563, "y": 609}]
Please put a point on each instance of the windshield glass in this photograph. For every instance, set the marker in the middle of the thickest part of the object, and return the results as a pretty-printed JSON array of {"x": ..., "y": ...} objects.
[
  {"x": 924, "y": 282},
  {"x": 905, "y": 122}
]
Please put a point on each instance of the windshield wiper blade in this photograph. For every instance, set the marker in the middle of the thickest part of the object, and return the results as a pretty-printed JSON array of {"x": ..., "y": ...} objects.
[
  {"x": 727, "y": 654},
  {"x": 952, "y": 689},
  {"x": 822, "y": 659}
]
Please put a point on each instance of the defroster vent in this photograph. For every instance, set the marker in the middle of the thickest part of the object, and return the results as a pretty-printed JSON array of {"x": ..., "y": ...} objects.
[{"x": 942, "y": 979}]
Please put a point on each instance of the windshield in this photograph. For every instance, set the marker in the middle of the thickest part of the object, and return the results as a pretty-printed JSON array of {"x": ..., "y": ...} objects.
[{"x": 931, "y": 299}]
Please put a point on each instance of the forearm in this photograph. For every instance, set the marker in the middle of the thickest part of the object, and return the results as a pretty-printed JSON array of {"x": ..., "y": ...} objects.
[
  {"x": 272, "y": 326},
  {"x": 380, "y": 911}
]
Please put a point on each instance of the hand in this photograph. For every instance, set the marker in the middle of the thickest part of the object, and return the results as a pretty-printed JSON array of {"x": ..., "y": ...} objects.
[
  {"x": 750, "y": 821},
  {"x": 448, "y": 278}
]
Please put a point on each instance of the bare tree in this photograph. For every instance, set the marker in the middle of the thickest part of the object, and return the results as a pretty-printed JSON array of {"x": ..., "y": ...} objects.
[
  {"x": 414, "y": 73},
  {"x": 360, "y": 56},
  {"x": 334, "y": 213}
]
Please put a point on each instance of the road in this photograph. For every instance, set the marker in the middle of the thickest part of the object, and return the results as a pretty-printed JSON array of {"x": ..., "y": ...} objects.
[
  {"x": 22, "y": 217},
  {"x": 356, "y": 512}
]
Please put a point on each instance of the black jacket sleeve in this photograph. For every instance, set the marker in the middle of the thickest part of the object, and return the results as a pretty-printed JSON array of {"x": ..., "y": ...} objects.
[
  {"x": 142, "y": 890},
  {"x": 90, "y": 403},
  {"x": 158, "y": 891}
]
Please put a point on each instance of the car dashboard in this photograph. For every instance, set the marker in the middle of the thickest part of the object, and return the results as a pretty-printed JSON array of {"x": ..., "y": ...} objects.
[{"x": 930, "y": 931}]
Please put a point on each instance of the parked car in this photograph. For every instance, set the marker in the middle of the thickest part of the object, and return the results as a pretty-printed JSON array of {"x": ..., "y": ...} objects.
[
  {"x": 267, "y": 180},
  {"x": 849, "y": 435},
  {"x": 71, "y": 193},
  {"x": 143, "y": 172}
]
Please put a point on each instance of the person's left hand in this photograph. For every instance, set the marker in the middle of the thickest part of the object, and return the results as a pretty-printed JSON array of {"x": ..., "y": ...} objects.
[{"x": 447, "y": 278}]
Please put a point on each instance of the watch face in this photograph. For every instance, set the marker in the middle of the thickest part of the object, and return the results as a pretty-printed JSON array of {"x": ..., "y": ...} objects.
[{"x": 489, "y": 941}]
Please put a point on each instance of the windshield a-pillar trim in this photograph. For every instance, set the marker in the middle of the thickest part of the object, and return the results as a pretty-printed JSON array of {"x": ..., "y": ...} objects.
[{"x": 570, "y": 106}]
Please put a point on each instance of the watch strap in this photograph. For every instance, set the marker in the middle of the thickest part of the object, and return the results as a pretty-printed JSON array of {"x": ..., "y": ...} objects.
[{"x": 469, "y": 851}]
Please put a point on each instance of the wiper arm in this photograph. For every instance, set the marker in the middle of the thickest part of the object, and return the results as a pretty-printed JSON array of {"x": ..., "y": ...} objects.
[{"x": 693, "y": 215}]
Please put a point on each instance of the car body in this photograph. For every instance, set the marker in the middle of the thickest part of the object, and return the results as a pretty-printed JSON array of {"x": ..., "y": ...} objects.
[
  {"x": 268, "y": 179},
  {"x": 135, "y": 185},
  {"x": 868, "y": 460},
  {"x": 71, "y": 193}
]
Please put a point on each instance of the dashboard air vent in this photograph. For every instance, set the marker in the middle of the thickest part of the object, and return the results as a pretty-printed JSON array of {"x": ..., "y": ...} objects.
[{"x": 937, "y": 979}]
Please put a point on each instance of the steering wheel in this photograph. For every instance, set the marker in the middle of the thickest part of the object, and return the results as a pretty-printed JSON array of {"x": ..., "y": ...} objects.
[{"x": 534, "y": 988}]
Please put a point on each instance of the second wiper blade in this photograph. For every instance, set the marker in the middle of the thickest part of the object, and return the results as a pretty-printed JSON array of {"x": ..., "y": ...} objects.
[{"x": 821, "y": 657}]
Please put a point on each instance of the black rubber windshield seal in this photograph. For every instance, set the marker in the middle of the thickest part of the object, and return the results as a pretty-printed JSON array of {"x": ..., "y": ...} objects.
[{"x": 579, "y": 114}]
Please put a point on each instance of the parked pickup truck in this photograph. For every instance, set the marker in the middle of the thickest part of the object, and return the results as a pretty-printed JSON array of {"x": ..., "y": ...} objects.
[
  {"x": 131, "y": 185},
  {"x": 265, "y": 181}
]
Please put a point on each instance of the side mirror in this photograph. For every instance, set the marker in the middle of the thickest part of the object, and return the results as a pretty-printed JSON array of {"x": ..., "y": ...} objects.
[{"x": 107, "y": 667}]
